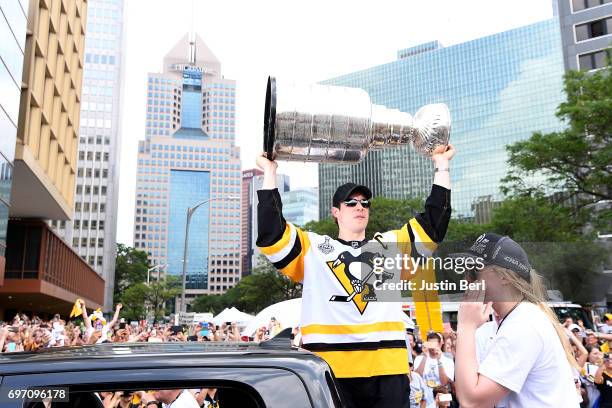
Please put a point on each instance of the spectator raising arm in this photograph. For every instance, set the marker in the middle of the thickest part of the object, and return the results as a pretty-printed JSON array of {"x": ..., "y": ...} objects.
[{"x": 116, "y": 316}]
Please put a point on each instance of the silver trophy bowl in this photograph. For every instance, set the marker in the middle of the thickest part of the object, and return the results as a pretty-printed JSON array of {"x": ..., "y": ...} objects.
[{"x": 334, "y": 124}]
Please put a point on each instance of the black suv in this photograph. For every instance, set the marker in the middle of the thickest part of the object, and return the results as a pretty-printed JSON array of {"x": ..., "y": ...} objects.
[{"x": 245, "y": 374}]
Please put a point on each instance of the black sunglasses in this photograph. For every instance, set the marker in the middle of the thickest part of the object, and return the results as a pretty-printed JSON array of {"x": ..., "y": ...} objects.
[{"x": 353, "y": 202}]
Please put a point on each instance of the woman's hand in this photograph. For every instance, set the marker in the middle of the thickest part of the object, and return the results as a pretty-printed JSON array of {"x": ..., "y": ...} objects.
[{"x": 472, "y": 312}]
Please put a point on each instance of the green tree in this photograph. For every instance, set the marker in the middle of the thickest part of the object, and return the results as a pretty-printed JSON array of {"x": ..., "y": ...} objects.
[
  {"x": 264, "y": 287},
  {"x": 325, "y": 226},
  {"x": 576, "y": 160},
  {"x": 133, "y": 300},
  {"x": 568, "y": 260},
  {"x": 209, "y": 304},
  {"x": 159, "y": 293},
  {"x": 130, "y": 268},
  {"x": 535, "y": 219}
]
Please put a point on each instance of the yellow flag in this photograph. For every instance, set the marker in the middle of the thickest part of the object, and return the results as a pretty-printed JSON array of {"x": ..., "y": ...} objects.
[{"x": 76, "y": 309}]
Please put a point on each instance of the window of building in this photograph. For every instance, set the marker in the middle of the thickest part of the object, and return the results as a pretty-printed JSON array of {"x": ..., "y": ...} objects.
[
  {"x": 77, "y": 206},
  {"x": 86, "y": 207},
  {"x": 101, "y": 243},
  {"x": 92, "y": 260},
  {"x": 578, "y": 5},
  {"x": 75, "y": 242},
  {"x": 594, "y": 29},
  {"x": 89, "y": 155},
  {"x": 94, "y": 224},
  {"x": 100, "y": 261},
  {"x": 92, "y": 242},
  {"x": 101, "y": 225},
  {"x": 592, "y": 60}
]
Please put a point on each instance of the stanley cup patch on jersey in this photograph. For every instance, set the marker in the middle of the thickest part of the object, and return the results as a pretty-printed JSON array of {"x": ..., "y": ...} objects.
[{"x": 325, "y": 247}]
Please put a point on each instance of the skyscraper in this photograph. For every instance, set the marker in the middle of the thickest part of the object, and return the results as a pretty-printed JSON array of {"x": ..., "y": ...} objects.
[
  {"x": 13, "y": 34},
  {"x": 301, "y": 206},
  {"x": 43, "y": 274},
  {"x": 499, "y": 89},
  {"x": 93, "y": 229},
  {"x": 247, "y": 218},
  {"x": 189, "y": 157},
  {"x": 586, "y": 31}
]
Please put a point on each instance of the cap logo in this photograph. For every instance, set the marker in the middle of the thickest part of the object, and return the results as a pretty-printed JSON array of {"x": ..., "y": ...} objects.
[
  {"x": 480, "y": 244},
  {"x": 516, "y": 262}
]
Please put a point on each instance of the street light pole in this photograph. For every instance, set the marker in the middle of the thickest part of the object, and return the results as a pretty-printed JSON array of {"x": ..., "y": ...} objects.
[
  {"x": 190, "y": 212},
  {"x": 152, "y": 269}
]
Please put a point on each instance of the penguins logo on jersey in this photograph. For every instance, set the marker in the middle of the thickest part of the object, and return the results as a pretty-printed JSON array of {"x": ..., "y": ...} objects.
[{"x": 349, "y": 270}]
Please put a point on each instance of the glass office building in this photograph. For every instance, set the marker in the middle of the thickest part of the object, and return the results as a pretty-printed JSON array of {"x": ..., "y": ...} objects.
[
  {"x": 13, "y": 27},
  {"x": 187, "y": 189},
  {"x": 188, "y": 156},
  {"x": 301, "y": 206},
  {"x": 499, "y": 89}
]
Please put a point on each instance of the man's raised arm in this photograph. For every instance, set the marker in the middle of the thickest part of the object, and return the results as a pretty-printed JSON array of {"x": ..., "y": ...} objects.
[{"x": 282, "y": 243}]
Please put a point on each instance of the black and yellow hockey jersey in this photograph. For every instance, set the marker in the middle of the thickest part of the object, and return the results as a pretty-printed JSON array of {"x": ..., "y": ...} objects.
[{"x": 357, "y": 337}]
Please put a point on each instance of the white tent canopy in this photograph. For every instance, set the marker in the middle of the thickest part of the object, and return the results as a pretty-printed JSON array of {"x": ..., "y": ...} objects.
[
  {"x": 233, "y": 315},
  {"x": 287, "y": 313}
]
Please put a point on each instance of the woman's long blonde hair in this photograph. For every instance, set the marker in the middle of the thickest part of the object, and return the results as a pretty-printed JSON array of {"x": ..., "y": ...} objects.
[{"x": 534, "y": 292}]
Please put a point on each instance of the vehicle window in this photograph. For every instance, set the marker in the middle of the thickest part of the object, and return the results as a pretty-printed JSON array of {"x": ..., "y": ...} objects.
[
  {"x": 193, "y": 397},
  {"x": 575, "y": 313}
]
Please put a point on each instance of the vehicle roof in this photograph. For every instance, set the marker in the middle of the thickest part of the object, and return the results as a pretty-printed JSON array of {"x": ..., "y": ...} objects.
[{"x": 126, "y": 355}]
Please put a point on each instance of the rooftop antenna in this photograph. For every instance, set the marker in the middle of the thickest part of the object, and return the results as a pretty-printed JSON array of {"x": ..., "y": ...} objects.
[{"x": 192, "y": 45}]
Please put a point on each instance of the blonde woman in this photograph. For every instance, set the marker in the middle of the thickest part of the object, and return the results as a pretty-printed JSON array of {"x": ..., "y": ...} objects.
[{"x": 529, "y": 362}]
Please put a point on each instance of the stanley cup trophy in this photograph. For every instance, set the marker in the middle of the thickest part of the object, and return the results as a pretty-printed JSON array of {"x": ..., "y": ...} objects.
[{"x": 334, "y": 124}]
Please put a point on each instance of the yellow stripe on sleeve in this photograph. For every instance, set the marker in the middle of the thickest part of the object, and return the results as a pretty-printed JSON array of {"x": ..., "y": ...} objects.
[
  {"x": 278, "y": 245},
  {"x": 295, "y": 269}
]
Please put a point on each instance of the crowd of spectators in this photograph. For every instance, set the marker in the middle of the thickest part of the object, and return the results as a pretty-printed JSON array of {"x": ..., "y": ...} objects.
[
  {"x": 592, "y": 349},
  {"x": 432, "y": 364},
  {"x": 25, "y": 333}
]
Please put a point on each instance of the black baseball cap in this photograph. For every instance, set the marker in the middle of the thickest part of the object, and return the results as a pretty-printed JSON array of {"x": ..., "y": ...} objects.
[
  {"x": 346, "y": 190},
  {"x": 494, "y": 249}
]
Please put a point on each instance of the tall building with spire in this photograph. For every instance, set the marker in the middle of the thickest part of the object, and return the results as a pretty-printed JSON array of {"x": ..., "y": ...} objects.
[
  {"x": 92, "y": 232},
  {"x": 189, "y": 157}
]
